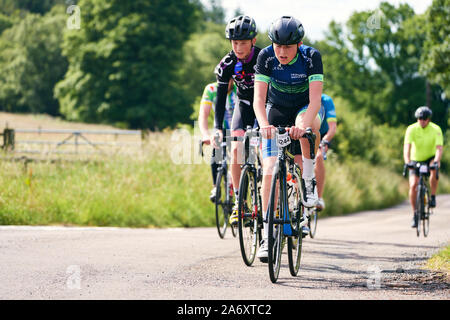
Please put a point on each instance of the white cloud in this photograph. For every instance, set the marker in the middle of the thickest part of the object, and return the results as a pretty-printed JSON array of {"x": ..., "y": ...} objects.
[{"x": 314, "y": 14}]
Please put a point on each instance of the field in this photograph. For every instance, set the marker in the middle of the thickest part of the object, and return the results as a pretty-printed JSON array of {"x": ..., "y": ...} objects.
[{"x": 163, "y": 184}]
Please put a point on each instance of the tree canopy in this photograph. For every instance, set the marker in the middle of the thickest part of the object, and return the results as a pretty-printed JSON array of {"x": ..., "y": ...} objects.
[{"x": 143, "y": 64}]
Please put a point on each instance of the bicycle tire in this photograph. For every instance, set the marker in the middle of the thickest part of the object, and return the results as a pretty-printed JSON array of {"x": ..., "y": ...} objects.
[
  {"x": 248, "y": 219},
  {"x": 312, "y": 223},
  {"x": 221, "y": 204},
  {"x": 295, "y": 243},
  {"x": 275, "y": 231},
  {"x": 419, "y": 208},
  {"x": 426, "y": 213}
]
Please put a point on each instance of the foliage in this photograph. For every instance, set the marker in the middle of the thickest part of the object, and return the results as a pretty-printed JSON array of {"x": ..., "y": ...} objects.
[
  {"x": 435, "y": 60},
  {"x": 376, "y": 68},
  {"x": 34, "y": 6},
  {"x": 124, "y": 62},
  {"x": 31, "y": 63}
]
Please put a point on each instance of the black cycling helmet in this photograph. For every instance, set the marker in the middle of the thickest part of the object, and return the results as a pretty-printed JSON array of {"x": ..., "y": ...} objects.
[
  {"x": 241, "y": 28},
  {"x": 423, "y": 113},
  {"x": 286, "y": 30}
]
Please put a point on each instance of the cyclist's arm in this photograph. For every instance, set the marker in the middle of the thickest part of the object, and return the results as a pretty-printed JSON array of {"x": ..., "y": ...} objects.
[
  {"x": 315, "y": 88},
  {"x": 407, "y": 145},
  {"x": 259, "y": 103},
  {"x": 332, "y": 126},
  {"x": 315, "y": 93},
  {"x": 438, "y": 156},
  {"x": 439, "y": 146},
  {"x": 262, "y": 80},
  {"x": 407, "y": 152},
  {"x": 219, "y": 114},
  {"x": 205, "y": 110}
]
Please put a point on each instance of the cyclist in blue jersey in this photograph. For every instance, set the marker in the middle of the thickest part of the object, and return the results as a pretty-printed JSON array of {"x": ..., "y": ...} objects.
[
  {"x": 208, "y": 103},
  {"x": 238, "y": 65},
  {"x": 288, "y": 90},
  {"x": 327, "y": 132}
]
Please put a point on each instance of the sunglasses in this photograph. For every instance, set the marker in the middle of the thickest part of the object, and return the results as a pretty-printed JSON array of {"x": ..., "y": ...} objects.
[{"x": 423, "y": 118}]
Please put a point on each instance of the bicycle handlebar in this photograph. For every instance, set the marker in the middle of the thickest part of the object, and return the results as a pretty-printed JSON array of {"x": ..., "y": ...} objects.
[
  {"x": 413, "y": 165},
  {"x": 309, "y": 134}
]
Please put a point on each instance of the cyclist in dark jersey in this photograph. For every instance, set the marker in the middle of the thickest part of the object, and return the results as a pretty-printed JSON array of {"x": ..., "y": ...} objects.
[
  {"x": 288, "y": 89},
  {"x": 238, "y": 64}
]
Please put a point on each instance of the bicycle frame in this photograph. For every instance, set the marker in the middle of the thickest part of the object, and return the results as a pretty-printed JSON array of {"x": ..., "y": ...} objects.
[
  {"x": 280, "y": 167},
  {"x": 250, "y": 155}
]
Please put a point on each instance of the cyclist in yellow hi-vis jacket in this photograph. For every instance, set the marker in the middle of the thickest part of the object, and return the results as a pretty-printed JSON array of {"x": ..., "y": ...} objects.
[{"x": 423, "y": 143}]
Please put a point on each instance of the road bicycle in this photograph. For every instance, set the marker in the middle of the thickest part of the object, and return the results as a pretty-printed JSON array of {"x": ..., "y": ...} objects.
[
  {"x": 423, "y": 210},
  {"x": 249, "y": 209},
  {"x": 286, "y": 219},
  {"x": 224, "y": 200}
]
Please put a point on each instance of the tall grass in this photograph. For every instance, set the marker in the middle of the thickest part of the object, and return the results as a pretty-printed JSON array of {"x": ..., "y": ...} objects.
[{"x": 150, "y": 190}]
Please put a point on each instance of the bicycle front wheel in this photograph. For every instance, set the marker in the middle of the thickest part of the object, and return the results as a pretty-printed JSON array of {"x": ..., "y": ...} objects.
[
  {"x": 275, "y": 229},
  {"x": 419, "y": 209},
  {"x": 248, "y": 215},
  {"x": 426, "y": 213},
  {"x": 295, "y": 242},
  {"x": 222, "y": 207}
]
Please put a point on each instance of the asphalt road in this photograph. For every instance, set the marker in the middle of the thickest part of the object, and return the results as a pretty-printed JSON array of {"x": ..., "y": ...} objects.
[{"x": 368, "y": 255}]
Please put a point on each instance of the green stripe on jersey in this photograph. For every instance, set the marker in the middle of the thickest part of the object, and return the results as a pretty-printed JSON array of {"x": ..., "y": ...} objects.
[
  {"x": 291, "y": 88},
  {"x": 262, "y": 78},
  {"x": 316, "y": 77}
]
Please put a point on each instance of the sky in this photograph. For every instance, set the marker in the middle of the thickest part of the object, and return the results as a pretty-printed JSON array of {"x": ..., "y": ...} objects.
[{"x": 314, "y": 14}]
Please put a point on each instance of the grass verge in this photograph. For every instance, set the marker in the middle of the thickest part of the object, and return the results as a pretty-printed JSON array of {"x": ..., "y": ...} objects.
[
  {"x": 161, "y": 187},
  {"x": 440, "y": 262}
]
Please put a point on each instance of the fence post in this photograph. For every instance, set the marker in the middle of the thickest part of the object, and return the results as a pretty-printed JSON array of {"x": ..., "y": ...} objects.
[{"x": 8, "y": 139}]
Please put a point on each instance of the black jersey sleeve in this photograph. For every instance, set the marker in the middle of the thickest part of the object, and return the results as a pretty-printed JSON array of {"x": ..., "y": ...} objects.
[
  {"x": 224, "y": 72},
  {"x": 315, "y": 68},
  {"x": 262, "y": 67},
  {"x": 219, "y": 114}
]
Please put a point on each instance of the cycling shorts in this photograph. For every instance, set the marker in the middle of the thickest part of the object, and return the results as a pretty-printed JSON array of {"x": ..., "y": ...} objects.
[
  {"x": 243, "y": 116},
  {"x": 415, "y": 171}
]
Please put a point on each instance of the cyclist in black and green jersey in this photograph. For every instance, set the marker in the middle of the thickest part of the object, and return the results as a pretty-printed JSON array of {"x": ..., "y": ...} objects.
[
  {"x": 423, "y": 143},
  {"x": 288, "y": 89},
  {"x": 238, "y": 65},
  {"x": 208, "y": 103}
]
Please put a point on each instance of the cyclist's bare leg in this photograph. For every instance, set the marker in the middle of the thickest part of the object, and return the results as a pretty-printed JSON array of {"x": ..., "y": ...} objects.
[
  {"x": 304, "y": 142},
  {"x": 413, "y": 182},
  {"x": 433, "y": 182},
  {"x": 237, "y": 158},
  {"x": 320, "y": 173},
  {"x": 268, "y": 165}
]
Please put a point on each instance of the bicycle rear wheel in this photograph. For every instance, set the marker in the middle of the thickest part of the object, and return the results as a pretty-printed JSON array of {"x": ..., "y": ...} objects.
[
  {"x": 426, "y": 214},
  {"x": 248, "y": 215},
  {"x": 275, "y": 229},
  {"x": 295, "y": 242},
  {"x": 222, "y": 207}
]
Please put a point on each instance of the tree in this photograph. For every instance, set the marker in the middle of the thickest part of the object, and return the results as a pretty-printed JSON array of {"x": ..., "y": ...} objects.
[
  {"x": 435, "y": 60},
  {"x": 31, "y": 63},
  {"x": 215, "y": 13},
  {"x": 376, "y": 67},
  {"x": 124, "y": 63},
  {"x": 34, "y": 6}
]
